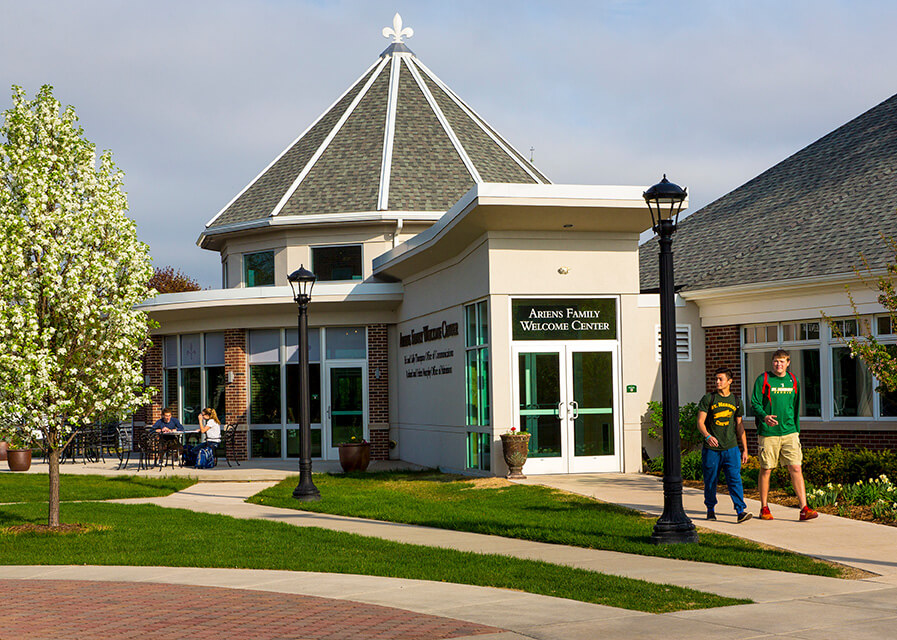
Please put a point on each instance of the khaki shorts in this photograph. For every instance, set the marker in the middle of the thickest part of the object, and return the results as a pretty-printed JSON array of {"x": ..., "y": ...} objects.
[{"x": 780, "y": 450}]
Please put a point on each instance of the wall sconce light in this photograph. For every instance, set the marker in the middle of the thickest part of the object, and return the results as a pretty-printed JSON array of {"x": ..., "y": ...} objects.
[
  {"x": 230, "y": 377},
  {"x": 146, "y": 380},
  {"x": 377, "y": 373},
  {"x": 564, "y": 270}
]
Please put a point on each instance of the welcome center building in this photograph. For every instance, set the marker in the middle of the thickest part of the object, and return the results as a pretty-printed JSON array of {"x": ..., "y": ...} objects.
[{"x": 459, "y": 293}]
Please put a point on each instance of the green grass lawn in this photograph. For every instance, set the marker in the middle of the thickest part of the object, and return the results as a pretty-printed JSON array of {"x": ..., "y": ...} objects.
[
  {"x": 147, "y": 535},
  {"x": 517, "y": 511},
  {"x": 20, "y": 487}
]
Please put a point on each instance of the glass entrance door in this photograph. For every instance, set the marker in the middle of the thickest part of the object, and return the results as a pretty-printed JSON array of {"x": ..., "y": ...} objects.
[
  {"x": 566, "y": 400},
  {"x": 345, "y": 414}
]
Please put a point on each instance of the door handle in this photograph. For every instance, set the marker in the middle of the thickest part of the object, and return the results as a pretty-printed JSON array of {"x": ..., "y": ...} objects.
[
  {"x": 575, "y": 405},
  {"x": 560, "y": 405},
  {"x": 328, "y": 412}
]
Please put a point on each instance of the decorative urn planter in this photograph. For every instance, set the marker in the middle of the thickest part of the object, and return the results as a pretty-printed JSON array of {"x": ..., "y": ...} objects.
[
  {"x": 18, "y": 459},
  {"x": 354, "y": 456},
  {"x": 514, "y": 448},
  {"x": 4, "y": 447}
]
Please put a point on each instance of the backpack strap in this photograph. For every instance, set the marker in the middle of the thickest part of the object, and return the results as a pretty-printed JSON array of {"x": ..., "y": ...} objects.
[
  {"x": 766, "y": 390},
  {"x": 793, "y": 382}
]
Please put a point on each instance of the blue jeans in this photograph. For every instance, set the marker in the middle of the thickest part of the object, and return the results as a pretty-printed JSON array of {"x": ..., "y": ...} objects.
[{"x": 711, "y": 463}]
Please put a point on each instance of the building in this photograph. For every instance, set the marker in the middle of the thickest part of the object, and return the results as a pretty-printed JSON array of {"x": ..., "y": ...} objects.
[
  {"x": 760, "y": 266},
  {"x": 460, "y": 293}
]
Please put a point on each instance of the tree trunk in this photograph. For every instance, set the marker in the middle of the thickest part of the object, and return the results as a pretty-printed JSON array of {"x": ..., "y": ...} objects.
[{"x": 53, "y": 514}]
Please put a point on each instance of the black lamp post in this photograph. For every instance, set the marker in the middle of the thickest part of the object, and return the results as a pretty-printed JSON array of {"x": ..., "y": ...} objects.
[
  {"x": 665, "y": 201},
  {"x": 302, "y": 280}
]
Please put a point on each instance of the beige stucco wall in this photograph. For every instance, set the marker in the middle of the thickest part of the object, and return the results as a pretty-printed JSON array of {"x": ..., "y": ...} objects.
[
  {"x": 504, "y": 265},
  {"x": 292, "y": 247}
]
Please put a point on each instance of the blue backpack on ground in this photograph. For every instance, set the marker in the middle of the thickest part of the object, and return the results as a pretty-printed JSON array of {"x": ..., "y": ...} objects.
[{"x": 205, "y": 458}]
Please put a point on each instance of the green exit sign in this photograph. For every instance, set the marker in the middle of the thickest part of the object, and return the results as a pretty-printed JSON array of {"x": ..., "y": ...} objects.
[{"x": 631, "y": 388}]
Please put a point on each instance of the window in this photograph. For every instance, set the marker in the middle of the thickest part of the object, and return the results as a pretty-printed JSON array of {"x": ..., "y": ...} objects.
[
  {"x": 763, "y": 333},
  {"x": 258, "y": 269},
  {"x": 479, "y": 446},
  {"x": 346, "y": 343},
  {"x": 683, "y": 342},
  {"x": 194, "y": 375},
  {"x": 264, "y": 377},
  {"x": 337, "y": 263},
  {"x": 477, "y": 363},
  {"x": 834, "y": 385},
  {"x": 800, "y": 331}
]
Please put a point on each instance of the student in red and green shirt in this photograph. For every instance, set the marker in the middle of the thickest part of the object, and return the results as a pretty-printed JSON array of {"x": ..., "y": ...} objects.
[{"x": 776, "y": 403}]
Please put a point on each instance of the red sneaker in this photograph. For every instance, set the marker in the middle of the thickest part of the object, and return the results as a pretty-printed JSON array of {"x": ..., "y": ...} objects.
[
  {"x": 808, "y": 514},
  {"x": 766, "y": 515}
]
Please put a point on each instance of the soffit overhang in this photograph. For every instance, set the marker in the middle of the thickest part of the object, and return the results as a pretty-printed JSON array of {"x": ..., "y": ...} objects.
[{"x": 518, "y": 207}]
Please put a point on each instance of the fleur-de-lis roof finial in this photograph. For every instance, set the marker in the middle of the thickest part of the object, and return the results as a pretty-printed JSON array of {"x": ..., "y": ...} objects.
[{"x": 396, "y": 32}]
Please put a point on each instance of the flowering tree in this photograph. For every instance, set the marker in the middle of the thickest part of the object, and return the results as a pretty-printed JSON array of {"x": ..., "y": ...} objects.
[
  {"x": 881, "y": 359},
  {"x": 71, "y": 271},
  {"x": 167, "y": 280}
]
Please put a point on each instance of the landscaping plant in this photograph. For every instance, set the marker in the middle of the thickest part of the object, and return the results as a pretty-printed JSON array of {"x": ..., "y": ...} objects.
[
  {"x": 71, "y": 273},
  {"x": 689, "y": 436}
]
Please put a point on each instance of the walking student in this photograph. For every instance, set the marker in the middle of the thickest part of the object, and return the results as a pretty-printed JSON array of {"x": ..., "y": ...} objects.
[
  {"x": 720, "y": 422},
  {"x": 776, "y": 403}
]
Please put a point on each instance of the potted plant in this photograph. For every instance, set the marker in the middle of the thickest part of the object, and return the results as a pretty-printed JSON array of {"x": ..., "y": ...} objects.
[
  {"x": 354, "y": 455},
  {"x": 515, "y": 448},
  {"x": 18, "y": 456}
]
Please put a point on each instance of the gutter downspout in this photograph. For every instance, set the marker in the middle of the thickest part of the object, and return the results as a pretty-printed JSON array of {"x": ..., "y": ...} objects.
[{"x": 395, "y": 236}]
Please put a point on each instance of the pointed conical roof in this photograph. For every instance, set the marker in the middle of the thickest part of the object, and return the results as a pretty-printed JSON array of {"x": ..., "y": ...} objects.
[{"x": 398, "y": 140}]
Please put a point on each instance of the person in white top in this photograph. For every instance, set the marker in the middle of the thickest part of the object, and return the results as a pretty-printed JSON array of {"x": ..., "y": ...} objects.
[{"x": 209, "y": 425}]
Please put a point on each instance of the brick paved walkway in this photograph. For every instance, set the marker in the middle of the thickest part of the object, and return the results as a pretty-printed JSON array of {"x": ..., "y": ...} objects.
[{"x": 75, "y": 610}]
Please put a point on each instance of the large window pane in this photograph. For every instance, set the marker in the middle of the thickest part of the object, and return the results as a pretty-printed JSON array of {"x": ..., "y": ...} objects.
[
  {"x": 473, "y": 387},
  {"x": 171, "y": 351},
  {"x": 314, "y": 390},
  {"x": 851, "y": 384},
  {"x": 346, "y": 343},
  {"x": 215, "y": 390},
  {"x": 539, "y": 398},
  {"x": 171, "y": 390},
  {"x": 337, "y": 263},
  {"x": 483, "y": 323},
  {"x": 889, "y": 404},
  {"x": 191, "y": 393},
  {"x": 258, "y": 269},
  {"x": 293, "y": 443},
  {"x": 347, "y": 404},
  {"x": 190, "y": 350},
  {"x": 264, "y": 345},
  {"x": 214, "y": 348},
  {"x": 291, "y": 347},
  {"x": 805, "y": 365},
  {"x": 264, "y": 394},
  {"x": 264, "y": 443}
]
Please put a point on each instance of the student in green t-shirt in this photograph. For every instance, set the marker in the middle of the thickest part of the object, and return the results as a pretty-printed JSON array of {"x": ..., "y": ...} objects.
[
  {"x": 776, "y": 403},
  {"x": 720, "y": 422}
]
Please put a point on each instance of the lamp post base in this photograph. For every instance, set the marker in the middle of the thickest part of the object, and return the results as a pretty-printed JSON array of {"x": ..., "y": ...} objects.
[
  {"x": 306, "y": 494},
  {"x": 674, "y": 533}
]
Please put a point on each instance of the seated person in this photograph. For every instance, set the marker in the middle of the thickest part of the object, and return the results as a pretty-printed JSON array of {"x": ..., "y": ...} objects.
[
  {"x": 167, "y": 424},
  {"x": 211, "y": 427}
]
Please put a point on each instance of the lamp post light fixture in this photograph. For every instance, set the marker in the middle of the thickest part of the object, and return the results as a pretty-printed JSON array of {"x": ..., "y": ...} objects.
[
  {"x": 664, "y": 201},
  {"x": 302, "y": 280}
]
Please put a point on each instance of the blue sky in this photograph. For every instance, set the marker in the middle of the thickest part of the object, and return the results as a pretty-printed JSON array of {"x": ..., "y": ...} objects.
[{"x": 194, "y": 98}]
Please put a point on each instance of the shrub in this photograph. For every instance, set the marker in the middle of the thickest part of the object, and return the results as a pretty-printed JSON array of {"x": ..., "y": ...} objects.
[
  {"x": 691, "y": 465},
  {"x": 689, "y": 437},
  {"x": 823, "y": 465}
]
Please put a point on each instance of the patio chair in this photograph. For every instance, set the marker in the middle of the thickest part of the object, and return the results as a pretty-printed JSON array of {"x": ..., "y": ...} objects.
[
  {"x": 148, "y": 445},
  {"x": 229, "y": 443}
]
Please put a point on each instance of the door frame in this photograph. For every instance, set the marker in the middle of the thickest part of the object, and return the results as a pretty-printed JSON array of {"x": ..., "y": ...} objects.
[
  {"x": 329, "y": 450},
  {"x": 567, "y": 462}
]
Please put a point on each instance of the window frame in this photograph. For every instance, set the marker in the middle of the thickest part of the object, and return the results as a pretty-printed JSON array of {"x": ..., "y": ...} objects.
[
  {"x": 360, "y": 245},
  {"x": 245, "y": 274}
]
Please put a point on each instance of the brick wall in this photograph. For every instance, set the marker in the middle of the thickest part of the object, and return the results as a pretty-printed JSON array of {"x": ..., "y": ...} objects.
[
  {"x": 722, "y": 349},
  {"x": 378, "y": 391},
  {"x": 236, "y": 392}
]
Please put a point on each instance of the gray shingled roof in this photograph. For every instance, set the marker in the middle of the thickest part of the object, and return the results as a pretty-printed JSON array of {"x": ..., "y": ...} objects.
[
  {"x": 437, "y": 148},
  {"x": 810, "y": 215}
]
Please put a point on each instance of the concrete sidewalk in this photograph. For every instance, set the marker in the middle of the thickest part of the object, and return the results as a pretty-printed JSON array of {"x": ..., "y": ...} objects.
[{"x": 864, "y": 545}]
